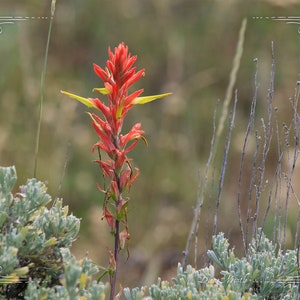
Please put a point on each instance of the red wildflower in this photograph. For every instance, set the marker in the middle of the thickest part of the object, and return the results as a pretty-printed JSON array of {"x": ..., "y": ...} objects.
[{"x": 118, "y": 76}]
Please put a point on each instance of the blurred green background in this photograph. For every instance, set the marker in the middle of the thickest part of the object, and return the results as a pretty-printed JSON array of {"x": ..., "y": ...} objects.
[{"x": 187, "y": 47}]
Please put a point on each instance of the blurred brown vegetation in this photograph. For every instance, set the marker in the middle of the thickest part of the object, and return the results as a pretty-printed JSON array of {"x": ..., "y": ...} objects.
[{"x": 187, "y": 48}]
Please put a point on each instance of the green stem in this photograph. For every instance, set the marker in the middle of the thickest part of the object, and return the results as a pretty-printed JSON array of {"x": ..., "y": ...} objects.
[{"x": 43, "y": 89}]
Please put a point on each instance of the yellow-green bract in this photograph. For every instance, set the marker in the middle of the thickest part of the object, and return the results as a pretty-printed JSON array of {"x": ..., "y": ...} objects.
[{"x": 104, "y": 91}]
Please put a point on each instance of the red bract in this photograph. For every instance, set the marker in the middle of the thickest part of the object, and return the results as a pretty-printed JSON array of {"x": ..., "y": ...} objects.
[
  {"x": 117, "y": 77},
  {"x": 134, "y": 133},
  {"x": 109, "y": 218}
]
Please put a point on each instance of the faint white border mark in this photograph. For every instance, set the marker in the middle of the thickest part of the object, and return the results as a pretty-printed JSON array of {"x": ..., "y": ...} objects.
[
  {"x": 294, "y": 20},
  {"x": 12, "y": 20}
]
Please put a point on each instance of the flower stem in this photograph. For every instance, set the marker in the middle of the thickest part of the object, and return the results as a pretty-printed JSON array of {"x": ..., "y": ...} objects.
[{"x": 116, "y": 257}]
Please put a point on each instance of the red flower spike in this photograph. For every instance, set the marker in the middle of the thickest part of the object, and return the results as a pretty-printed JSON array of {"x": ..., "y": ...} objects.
[{"x": 118, "y": 75}]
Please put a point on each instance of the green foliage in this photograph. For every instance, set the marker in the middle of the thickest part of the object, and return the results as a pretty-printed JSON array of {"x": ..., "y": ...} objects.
[
  {"x": 35, "y": 261},
  {"x": 75, "y": 282},
  {"x": 266, "y": 273}
]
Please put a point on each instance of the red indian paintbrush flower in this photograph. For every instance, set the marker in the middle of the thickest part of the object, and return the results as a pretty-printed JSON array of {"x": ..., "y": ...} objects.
[{"x": 118, "y": 76}]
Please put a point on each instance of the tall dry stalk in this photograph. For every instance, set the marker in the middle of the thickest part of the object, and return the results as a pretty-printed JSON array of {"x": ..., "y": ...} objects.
[{"x": 38, "y": 133}]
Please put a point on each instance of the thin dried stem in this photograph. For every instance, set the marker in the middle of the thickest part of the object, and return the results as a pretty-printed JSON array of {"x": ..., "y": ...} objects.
[
  {"x": 224, "y": 164},
  {"x": 251, "y": 187},
  {"x": 248, "y": 130},
  {"x": 274, "y": 182},
  {"x": 37, "y": 141},
  {"x": 278, "y": 191},
  {"x": 289, "y": 175},
  {"x": 266, "y": 144}
]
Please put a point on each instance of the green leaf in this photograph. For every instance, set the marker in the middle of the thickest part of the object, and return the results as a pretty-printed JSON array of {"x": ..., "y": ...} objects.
[
  {"x": 146, "y": 99},
  {"x": 103, "y": 91},
  {"x": 87, "y": 102}
]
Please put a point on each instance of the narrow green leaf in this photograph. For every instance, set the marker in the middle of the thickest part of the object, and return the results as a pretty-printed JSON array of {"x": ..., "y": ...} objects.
[
  {"x": 146, "y": 99},
  {"x": 85, "y": 101}
]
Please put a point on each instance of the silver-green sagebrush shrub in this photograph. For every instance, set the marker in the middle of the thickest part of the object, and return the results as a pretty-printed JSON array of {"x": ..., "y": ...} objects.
[
  {"x": 35, "y": 261},
  {"x": 266, "y": 273},
  {"x": 188, "y": 285}
]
